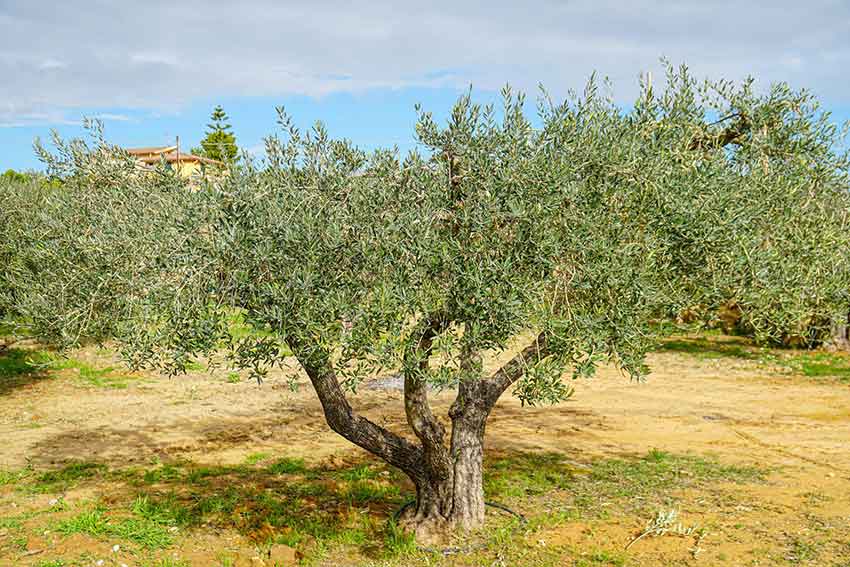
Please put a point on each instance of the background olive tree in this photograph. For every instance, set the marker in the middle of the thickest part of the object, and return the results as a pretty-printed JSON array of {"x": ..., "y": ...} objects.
[{"x": 507, "y": 254}]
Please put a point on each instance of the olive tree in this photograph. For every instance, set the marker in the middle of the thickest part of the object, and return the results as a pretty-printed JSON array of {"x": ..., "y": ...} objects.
[{"x": 507, "y": 254}]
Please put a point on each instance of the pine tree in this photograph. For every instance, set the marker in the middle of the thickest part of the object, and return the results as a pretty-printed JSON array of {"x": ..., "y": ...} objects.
[{"x": 219, "y": 142}]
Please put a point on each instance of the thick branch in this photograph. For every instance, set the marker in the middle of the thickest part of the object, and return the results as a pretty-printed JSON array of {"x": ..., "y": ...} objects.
[
  {"x": 364, "y": 433},
  {"x": 427, "y": 428},
  {"x": 513, "y": 370}
]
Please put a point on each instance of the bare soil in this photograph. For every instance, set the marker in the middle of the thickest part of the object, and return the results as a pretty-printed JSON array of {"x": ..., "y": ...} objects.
[{"x": 734, "y": 410}]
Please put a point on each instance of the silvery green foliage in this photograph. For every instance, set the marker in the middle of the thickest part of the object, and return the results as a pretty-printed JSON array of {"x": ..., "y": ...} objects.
[{"x": 580, "y": 227}]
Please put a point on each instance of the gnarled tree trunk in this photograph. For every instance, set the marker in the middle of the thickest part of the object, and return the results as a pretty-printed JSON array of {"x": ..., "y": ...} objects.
[{"x": 449, "y": 479}]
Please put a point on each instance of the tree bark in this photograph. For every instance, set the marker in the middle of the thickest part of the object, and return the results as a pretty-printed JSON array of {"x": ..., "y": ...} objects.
[
  {"x": 432, "y": 513},
  {"x": 449, "y": 480},
  {"x": 454, "y": 498},
  {"x": 841, "y": 334},
  {"x": 342, "y": 419}
]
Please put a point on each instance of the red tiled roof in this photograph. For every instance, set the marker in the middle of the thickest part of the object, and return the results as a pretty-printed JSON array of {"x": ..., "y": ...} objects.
[
  {"x": 172, "y": 157},
  {"x": 153, "y": 154},
  {"x": 149, "y": 151}
]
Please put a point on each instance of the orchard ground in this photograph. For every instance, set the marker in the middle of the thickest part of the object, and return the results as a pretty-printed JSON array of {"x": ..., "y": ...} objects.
[{"x": 728, "y": 455}]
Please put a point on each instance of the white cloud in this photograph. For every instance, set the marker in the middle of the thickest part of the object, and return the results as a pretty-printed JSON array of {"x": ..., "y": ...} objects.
[
  {"x": 109, "y": 117},
  {"x": 50, "y": 63},
  {"x": 154, "y": 58},
  {"x": 174, "y": 52}
]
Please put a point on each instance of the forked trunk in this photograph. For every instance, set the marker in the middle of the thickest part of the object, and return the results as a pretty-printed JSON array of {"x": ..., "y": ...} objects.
[{"x": 454, "y": 501}]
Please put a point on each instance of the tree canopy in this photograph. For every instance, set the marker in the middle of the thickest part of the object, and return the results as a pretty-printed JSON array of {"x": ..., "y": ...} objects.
[{"x": 509, "y": 253}]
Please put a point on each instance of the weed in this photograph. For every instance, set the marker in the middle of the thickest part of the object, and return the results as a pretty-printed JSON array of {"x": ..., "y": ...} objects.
[
  {"x": 363, "y": 492},
  {"x": 602, "y": 557},
  {"x": 10, "y": 524},
  {"x": 255, "y": 458},
  {"x": 165, "y": 473},
  {"x": 360, "y": 472},
  {"x": 803, "y": 551},
  {"x": 397, "y": 542},
  {"x": 167, "y": 562},
  {"x": 663, "y": 524},
  {"x": 12, "y": 477},
  {"x": 287, "y": 466},
  {"x": 234, "y": 378}
]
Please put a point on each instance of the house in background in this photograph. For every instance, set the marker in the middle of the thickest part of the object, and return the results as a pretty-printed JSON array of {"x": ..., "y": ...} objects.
[{"x": 184, "y": 164}]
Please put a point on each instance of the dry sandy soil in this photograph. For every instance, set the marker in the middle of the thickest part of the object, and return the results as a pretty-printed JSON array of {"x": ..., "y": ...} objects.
[{"x": 736, "y": 411}]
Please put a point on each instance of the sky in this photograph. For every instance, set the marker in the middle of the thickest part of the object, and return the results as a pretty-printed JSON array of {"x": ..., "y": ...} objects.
[{"x": 152, "y": 71}]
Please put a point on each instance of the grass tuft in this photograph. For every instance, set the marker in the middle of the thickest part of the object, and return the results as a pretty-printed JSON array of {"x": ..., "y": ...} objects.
[
  {"x": 287, "y": 465},
  {"x": 136, "y": 529},
  {"x": 62, "y": 479}
]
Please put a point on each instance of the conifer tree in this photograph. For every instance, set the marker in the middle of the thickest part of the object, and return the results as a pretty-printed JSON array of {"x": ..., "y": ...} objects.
[{"x": 219, "y": 142}]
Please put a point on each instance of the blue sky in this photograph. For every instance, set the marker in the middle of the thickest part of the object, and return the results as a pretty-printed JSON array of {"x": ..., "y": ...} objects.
[{"x": 360, "y": 67}]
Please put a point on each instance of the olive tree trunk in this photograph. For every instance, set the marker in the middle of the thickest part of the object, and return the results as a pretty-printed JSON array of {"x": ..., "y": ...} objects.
[
  {"x": 449, "y": 478},
  {"x": 841, "y": 334}
]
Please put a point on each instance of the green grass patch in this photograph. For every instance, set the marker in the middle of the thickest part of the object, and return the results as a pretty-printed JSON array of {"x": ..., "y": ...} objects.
[
  {"x": 138, "y": 529},
  {"x": 17, "y": 362},
  {"x": 91, "y": 376},
  {"x": 821, "y": 364},
  {"x": 602, "y": 557},
  {"x": 815, "y": 364},
  {"x": 19, "y": 367},
  {"x": 396, "y": 542},
  {"x": 656, "y": 473},
  {"x": 13, "y": 477},
  {"x": 165, "y": 473},
  {"x": 286, "y": 502},
  {"x": 68, "y": 476},
  {"x": 359, "y": 472},
  {"x": 365, "y": 491},
  {"x": 706, "y": 349},
  {"x": 321, "y": 512},
  {"x": 255, "y": 458},
  {"x": 287, "y": 465}
]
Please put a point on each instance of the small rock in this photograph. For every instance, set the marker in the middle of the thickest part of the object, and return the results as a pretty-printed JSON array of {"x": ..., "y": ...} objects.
[
  {"x": 13, "y": 505},
  {"x": 53, "y": 501},
  {"x": 99, "y": 562},
  {"x": 116, "y": 548}
]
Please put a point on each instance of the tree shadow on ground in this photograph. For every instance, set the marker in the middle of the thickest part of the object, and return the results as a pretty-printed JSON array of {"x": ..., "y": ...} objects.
[
  {"x": 702, "y": 347},
  {"x": 314, "y": 508},
  {"x": 22, "y": 367}
]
